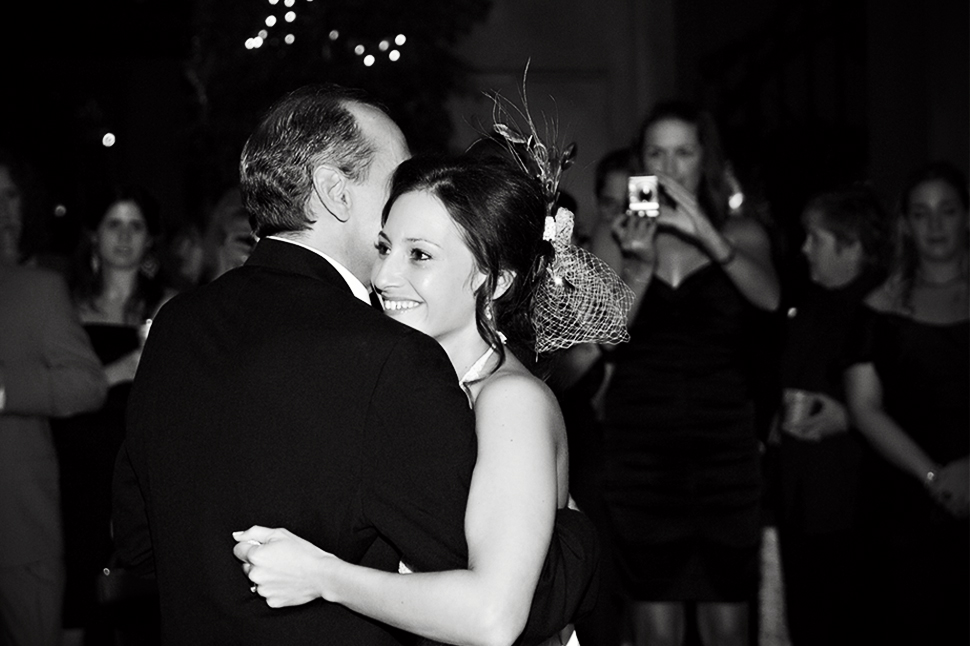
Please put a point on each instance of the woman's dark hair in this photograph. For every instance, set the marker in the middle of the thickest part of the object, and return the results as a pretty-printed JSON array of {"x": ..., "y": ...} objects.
[
  {"x": 615, "y": 160},
  {"x": 715, "y": 189},
  {"x": 500, "y": 212},
  {"x": 907, "y": 259},
  {"x": 854, "y": 214},
  {"x": 87, "y": 278}
]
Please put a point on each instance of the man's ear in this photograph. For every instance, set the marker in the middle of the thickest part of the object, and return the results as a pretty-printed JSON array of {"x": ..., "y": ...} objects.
[
  {"x": 330, "y": 187},
  {"x": 503, "y": 283}
]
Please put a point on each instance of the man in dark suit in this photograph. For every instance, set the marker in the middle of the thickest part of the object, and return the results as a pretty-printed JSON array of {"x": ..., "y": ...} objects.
[{"x": 277, "y": 395}]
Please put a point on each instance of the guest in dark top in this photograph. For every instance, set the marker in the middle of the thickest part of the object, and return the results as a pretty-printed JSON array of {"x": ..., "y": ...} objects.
[
  {"x": 907, "y": 390},
  {"x": 683, "y": 484},
  {"x": 115, "y": 293},
  {"x": 819, "y": 458}
]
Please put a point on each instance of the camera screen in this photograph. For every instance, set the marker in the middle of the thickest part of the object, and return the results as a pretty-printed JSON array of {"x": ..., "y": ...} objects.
[{"x": 643, "y": 195}]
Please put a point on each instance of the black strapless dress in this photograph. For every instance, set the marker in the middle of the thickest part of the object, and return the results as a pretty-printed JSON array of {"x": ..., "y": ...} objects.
[
  {"x": 86, "y": 447},
  {"x": 683, "y": 481}
]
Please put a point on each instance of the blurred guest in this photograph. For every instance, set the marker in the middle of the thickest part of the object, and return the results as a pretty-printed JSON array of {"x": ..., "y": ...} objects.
[
  {"x": 610, "y": 183},
  {"x": 229, "y": 236},
  {"x": 24, "y": 230},
  {"x": 907, "y": 390},
  {"x": 116, "y": 292},
  {"x": 819, "y": 459},
  {"x": 579, "y": 376},
  {"x": 683, "y": 483},
  {"x": 47, "y": 369},
  {"x": 183, "y": 257}
]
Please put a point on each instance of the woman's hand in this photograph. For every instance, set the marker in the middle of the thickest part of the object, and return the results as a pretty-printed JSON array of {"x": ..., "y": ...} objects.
[
  {"x": 952, "y": 487},
  {"x": 635, "y": 237},
  {"x": 830, "y": 418},
  {"x": 285, "y": 569}
]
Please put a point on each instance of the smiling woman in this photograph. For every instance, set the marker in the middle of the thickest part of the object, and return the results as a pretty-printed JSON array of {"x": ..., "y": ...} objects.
[{"x": 467, "y": 249}]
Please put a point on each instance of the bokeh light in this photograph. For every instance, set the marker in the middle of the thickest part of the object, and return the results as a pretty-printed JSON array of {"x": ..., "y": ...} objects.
[
  {"x": 369, "y": 60},
  {"x": 108, "y": 140}
]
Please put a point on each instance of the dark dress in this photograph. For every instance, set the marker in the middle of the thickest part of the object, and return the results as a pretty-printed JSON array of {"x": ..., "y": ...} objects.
[
  {"x": 817, "y": 483},
  {"x": 919, "y": 570},
  {"x": 682, "y": 465},
  {"x": 86, "y": 447}
]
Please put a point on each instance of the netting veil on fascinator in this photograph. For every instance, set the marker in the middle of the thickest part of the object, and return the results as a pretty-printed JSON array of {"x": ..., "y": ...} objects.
[{"x": 580, "y": 299}]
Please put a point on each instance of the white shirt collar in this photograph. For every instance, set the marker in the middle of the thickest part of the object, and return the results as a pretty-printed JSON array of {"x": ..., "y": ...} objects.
[{"x": 356, "y": 286}]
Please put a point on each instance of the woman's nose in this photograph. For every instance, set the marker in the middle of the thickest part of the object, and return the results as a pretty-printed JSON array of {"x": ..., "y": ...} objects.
[{"x": 382, "y": 274}]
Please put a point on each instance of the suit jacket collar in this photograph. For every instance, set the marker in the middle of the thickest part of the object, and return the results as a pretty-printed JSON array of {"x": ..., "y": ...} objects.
[{"x": 291, "y": 258}]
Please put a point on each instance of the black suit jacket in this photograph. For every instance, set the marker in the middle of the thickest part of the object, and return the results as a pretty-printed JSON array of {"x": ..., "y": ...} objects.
[{"x": 274, "y": 396}]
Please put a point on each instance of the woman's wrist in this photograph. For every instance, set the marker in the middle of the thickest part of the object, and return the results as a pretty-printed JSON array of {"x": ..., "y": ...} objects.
[
  {"x": 930, "y": 475},
  {"x": 725, "y": 258}
]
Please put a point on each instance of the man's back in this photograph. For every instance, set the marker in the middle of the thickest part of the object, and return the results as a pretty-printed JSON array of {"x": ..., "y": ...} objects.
[{"x": 274, "y": 396}]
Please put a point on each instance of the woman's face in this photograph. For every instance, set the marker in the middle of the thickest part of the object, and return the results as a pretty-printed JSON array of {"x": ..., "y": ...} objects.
[
  {"x": 937, "y": 221},
  {"x": 830, "y": 264},
  {"x": 122, "y": 238},
  {"x": 612, "y": 199},
  {"x": 425, "y": 273},
  {"x": 672, "y": 147}
]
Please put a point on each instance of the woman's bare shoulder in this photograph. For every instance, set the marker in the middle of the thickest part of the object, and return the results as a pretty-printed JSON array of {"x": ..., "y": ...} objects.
[{"x": 885, "y": 297}]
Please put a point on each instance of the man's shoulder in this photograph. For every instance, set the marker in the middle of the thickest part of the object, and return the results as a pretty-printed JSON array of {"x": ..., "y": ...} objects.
[{"x": 35, "y": 277}]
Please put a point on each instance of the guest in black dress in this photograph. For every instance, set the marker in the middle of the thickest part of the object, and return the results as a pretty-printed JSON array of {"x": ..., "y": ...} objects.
[
  {"x": 908, "y": 388},
  {"x": 115, "y": 293},
  {"x": 819, "y": 457},
  {"x": 683, "y": 485}
]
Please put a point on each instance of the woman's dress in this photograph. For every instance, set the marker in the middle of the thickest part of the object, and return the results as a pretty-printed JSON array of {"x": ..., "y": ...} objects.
[
  {"x": 683, "y": 482},
  {"x": 87, "y": 445},
  {"x": 920, "y": 557}
]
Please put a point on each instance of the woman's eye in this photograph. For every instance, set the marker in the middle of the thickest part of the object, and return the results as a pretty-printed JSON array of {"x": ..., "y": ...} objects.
[
  {"x": 382, "y": 248},
  {"x": 418, "y": 254}
]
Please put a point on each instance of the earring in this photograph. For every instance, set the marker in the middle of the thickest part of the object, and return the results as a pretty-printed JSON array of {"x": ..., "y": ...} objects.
[{"x": 95, "y": 263}]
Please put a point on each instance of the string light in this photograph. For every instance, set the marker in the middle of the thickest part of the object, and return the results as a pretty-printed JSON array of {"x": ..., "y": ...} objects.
[{"x": 360, "y": 49}]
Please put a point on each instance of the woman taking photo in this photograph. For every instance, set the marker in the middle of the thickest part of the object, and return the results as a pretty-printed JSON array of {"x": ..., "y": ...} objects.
[{"x": 682, "y": 459}]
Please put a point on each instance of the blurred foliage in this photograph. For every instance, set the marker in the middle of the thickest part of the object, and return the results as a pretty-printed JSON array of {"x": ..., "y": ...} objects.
[{"x": 232, "y": 85}]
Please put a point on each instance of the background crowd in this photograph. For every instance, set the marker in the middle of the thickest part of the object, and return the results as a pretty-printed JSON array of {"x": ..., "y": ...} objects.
[{"x": 830, "y": 403}]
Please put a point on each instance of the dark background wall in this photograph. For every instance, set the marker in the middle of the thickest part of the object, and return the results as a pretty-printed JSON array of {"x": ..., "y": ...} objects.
[{"x": 808, "y": 93}]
